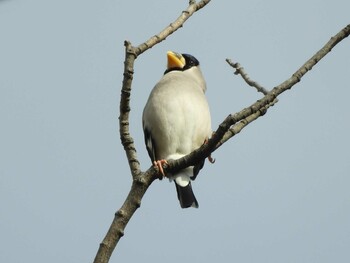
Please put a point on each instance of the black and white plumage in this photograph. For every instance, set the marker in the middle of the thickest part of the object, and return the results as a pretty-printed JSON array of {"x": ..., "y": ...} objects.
[{"x": 176, "y": 120}]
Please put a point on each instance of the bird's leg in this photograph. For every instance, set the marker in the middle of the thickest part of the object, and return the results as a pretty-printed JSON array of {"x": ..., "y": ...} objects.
[
  {"x": 210, "y": 159},
  {"x": 159, "y": 165}
]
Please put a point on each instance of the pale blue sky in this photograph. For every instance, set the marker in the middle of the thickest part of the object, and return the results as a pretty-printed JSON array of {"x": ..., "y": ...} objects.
[{"x": 278, "y": 192}]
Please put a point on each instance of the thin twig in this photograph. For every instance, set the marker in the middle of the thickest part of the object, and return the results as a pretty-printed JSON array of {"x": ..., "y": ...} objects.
[
  {"x": 235, "y": 129},
  {"x": 192, "y": 8},
  {"x": 240, "y": 71}
]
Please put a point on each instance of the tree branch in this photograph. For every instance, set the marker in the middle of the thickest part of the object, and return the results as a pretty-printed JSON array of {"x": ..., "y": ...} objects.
[
  {"x": 234, "y": 123},
  {"x": 240, "y": 71},
  {"x": 192, "y": 8},
  {"x": 231, "y": 126},
  {"x": 141, "y": 180},
  {"x": 121, "y": 218}
]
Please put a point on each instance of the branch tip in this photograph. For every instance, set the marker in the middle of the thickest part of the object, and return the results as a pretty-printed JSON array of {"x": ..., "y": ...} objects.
[
  {"x": 127, "y": 43},
  {"x": 239, "y": 70}
]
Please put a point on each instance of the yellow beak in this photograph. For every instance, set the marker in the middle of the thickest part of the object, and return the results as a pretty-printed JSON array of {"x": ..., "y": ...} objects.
[{"x": 175, "y": 60}]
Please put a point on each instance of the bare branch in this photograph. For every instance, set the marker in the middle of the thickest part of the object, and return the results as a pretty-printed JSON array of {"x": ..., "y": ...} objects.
[
  {"x": 234, "y": 123},
  {"x": 133, "y": 201},
  {"x": 238, "y": 127},
  {"x": 141, "y": 180},
  {"x": 243, "y": 123},
  {"x": 240, "y": 71},
  {"x": 125, "y": 137},
  {"x": 231, "y": 126},
  {"x": 192, "y": 8}
]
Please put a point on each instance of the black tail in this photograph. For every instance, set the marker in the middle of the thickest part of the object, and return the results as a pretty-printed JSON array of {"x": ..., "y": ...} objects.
[{"x": 186, "y": 196}]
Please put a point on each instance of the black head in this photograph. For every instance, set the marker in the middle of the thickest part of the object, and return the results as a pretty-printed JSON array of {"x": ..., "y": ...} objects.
[{"x": 190, "y": 61}]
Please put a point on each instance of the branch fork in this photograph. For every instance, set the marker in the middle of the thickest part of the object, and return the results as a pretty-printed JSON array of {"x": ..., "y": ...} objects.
[{"x": 231, "y": 126}]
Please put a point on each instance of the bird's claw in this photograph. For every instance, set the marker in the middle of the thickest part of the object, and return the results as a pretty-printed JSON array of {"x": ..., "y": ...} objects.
[
  {"x": 211, "y": 159},
  {"x": 159, "y": 165}
]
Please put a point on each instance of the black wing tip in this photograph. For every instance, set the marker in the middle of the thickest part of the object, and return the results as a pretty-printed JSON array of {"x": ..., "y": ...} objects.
[{"x": 150, "y": 144}]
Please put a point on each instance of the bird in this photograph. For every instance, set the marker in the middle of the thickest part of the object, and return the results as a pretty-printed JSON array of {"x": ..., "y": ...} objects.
[{"x": 176, "y": 121}]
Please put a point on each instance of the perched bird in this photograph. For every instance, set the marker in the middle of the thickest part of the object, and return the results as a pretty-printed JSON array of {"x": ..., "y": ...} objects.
[{"x": 176, "y": 120}]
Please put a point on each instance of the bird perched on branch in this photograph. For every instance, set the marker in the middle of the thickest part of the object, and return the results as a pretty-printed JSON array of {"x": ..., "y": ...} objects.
[{"x": 176, "y": 121}]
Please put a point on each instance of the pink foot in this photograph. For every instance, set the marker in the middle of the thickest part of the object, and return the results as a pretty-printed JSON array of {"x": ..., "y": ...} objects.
[
  {"x": 159, "y": 165},
  {"x": 210, "y": 159}
]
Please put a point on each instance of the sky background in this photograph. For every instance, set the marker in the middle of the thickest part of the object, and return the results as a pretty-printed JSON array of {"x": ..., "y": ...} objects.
[{"x": 278, "y": 192}]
